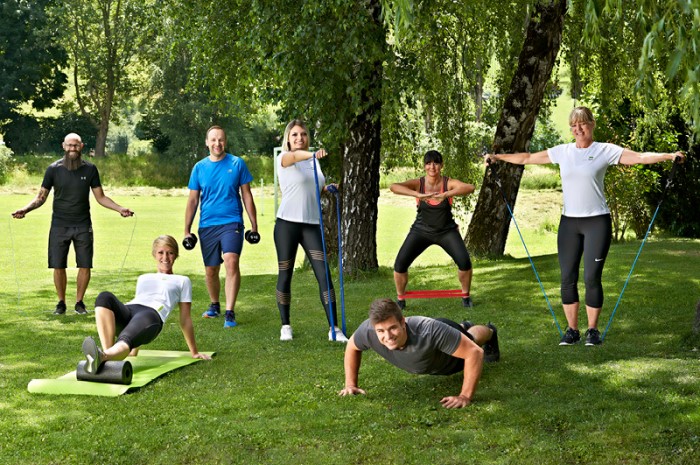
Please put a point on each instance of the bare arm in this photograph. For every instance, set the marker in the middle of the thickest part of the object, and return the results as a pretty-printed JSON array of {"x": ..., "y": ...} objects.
[
  {"x": 106, "y": 202},
  {"x": 191, "y": 210},
  {"x": 188, "y": 330},
  {"x": 289, "y": 158},
  {"x": 410, "y": 188},
  {"x": 455, "y": 187},
  {"x": 521, "y": 158},
  {"x": 249, "y": 203},
  {"x": 38, "y": 201},
  {"x": 473, "y": 356},
  {"x": 353, "y": 359},
  {"x": 630, "y": 157}
]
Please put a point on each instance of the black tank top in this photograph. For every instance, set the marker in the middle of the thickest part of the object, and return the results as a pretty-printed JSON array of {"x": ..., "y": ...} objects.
[{"x": 434, "y": 216}]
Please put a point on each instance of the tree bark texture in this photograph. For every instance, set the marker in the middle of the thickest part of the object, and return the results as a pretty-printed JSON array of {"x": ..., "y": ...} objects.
[
  {"x": 360, "y": 192},
  {"x": 488, "y": 229}
]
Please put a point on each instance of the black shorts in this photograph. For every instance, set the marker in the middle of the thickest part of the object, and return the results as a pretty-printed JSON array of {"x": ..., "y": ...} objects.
[
  {"x": 136, "y": 324},
  {"x": 60, "y": 238}
]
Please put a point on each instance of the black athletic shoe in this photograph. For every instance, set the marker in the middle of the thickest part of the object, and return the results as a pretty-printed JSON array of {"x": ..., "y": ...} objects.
[
  {"x": 593, "y": 337},
  {"x": 93, "y": 355},
  {"x": 492, "y": 353},
  {"x": 401, "y": 303},
  {"x": 467, "y": 302},
  {"x": 571, "y": 336},
  {"x": 80, "y": 308},
  {"x": 60, "y": 308}
]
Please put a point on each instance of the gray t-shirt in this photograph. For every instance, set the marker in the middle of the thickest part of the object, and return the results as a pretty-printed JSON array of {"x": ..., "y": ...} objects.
[
  {"x": 582, "y": 175},
  {"x": 428, "y": 349}
]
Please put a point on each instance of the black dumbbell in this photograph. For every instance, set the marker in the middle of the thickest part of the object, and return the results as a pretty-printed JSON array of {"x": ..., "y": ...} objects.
[
  {"x": 189, "y": 242},
  {"x": 253, "y": 237}
]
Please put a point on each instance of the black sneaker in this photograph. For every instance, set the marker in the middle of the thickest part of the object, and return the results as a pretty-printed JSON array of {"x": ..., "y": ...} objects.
[
  {"x": 491, "y": 351},
  {"x": 80, "y": 308},
  {"x": 571, "y": 336},
  {"x": 60, "y": 308},
  {"x": 467, "y": 302},
  {"x": 401, "y": 303},
  {"x": 593, "y": 337},
  {"x": 93, "y": 355}
]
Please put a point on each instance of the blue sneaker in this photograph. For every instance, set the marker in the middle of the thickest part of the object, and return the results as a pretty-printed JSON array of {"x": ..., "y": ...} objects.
[
  {"x": 213, "y": 311},
  {"x": 230, "y": 319}
]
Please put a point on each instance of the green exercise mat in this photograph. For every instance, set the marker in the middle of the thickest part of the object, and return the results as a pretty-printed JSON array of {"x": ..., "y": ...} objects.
[{"x": 148, "y": 365}]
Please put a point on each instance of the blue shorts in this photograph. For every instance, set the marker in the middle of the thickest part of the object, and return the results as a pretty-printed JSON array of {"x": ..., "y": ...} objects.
[{"x": 215, "y": 241}]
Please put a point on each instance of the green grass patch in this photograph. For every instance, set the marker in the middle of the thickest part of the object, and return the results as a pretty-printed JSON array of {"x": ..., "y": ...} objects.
[{"x": 632, "y": 400}]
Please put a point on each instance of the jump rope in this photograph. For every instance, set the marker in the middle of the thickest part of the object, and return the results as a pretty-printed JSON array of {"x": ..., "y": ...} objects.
[
  {"x": 325, "y": 256},
  {"x": 14, "y": 263},
  {"x": 669, "y": 183}
]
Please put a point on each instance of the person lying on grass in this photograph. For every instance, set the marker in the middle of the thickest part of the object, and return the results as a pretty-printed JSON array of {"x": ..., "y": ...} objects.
[
  {"x": 139, "y": 321},
  {"x": 422, "y": 345}
]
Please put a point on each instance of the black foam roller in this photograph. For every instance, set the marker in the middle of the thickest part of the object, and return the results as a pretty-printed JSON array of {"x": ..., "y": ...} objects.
[{"x": 114, "y": 372}]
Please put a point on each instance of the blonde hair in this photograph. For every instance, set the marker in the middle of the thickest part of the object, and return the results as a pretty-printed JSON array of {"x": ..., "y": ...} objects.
[
  {"x": 167, "y": 241},
  {"x": 581, "y": 115},
  {"x": 285, "y": 140}
]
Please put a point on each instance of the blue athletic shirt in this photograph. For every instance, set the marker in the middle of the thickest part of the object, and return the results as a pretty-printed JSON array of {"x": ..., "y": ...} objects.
[{"x": 219, "y": 183}]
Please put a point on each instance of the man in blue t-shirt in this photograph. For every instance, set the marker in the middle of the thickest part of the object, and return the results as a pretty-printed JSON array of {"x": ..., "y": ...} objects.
[
  {"x": 72, "y": 179},
  {"x": 218, "y": 183},
  {"x": 422, "y": 345}
]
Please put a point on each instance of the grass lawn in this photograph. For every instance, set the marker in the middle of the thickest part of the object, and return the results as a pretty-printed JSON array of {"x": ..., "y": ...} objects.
[{"x": 260, "y": 401}]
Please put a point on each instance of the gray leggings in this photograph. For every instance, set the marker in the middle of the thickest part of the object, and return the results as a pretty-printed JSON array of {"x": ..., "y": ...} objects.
[{"x": 589, "y": 237}]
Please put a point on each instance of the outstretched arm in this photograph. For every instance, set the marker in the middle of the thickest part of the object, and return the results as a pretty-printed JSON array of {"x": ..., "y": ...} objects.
[
  {"x": 353, "y": 359},
  {"x": 38, "y": 201},
  {"x": 106, "y": 202},
  {"x": 289, "y": 158},
  {"x": 188, "y": 330},
  {"x": 521, "y": 158},
  {"x": 249, "y": 203},
  {"x": 630, "y": 157},
  {"x": 473, "y": 356}
]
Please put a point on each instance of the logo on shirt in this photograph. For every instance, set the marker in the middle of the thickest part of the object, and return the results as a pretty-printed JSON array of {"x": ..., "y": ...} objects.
[{"x": 83, "y": 178}]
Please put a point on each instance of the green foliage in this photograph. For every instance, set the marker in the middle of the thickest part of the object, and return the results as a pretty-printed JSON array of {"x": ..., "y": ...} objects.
[
  {"x": 29, "y": 134},
  {"x": 660, "y": 41},
  {"x": 626, "y": 188},
  {"x": 5, "y": 163},
  {"x": 30, "y": 58}
]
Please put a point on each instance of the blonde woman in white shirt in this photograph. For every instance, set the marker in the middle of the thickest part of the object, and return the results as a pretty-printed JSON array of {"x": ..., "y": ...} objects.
[
  {"x": 298, "y": 224},
  {"x": 585, "y": 229},
  {"x": 140, "y": 320}
]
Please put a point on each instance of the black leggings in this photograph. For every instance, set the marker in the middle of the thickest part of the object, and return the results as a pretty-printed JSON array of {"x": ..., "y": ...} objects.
[
  {"x": 136, "y": 324},
  {"x": 416, "y": 243},
  {"x": 288, "y": 237},
  {"x": 590, "y": 237}
]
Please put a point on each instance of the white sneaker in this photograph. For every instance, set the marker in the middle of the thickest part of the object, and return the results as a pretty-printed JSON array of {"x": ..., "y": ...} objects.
[
  {"x": 286, "y": 333},
  {"x": 339, "y": 336}
]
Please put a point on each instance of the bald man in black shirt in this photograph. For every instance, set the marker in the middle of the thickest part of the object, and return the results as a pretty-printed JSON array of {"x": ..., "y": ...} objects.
[{"x": 72, "y": 179}]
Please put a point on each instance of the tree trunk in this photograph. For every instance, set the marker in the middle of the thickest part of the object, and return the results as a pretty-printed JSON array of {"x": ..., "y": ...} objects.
[
  {"x": 488, "y": 229},
  {"x": 360, "y": 191}
]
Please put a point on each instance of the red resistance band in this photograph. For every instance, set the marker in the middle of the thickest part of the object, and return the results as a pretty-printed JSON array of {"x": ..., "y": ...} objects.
[{"x": 435, "y": 294}]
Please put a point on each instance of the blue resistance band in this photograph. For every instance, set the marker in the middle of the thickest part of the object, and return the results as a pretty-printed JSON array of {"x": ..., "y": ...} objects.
[
  {"x": 323, "y": 244},
  {"x": 500, "y": 187},
  {"x": 334, "y": 190}
]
